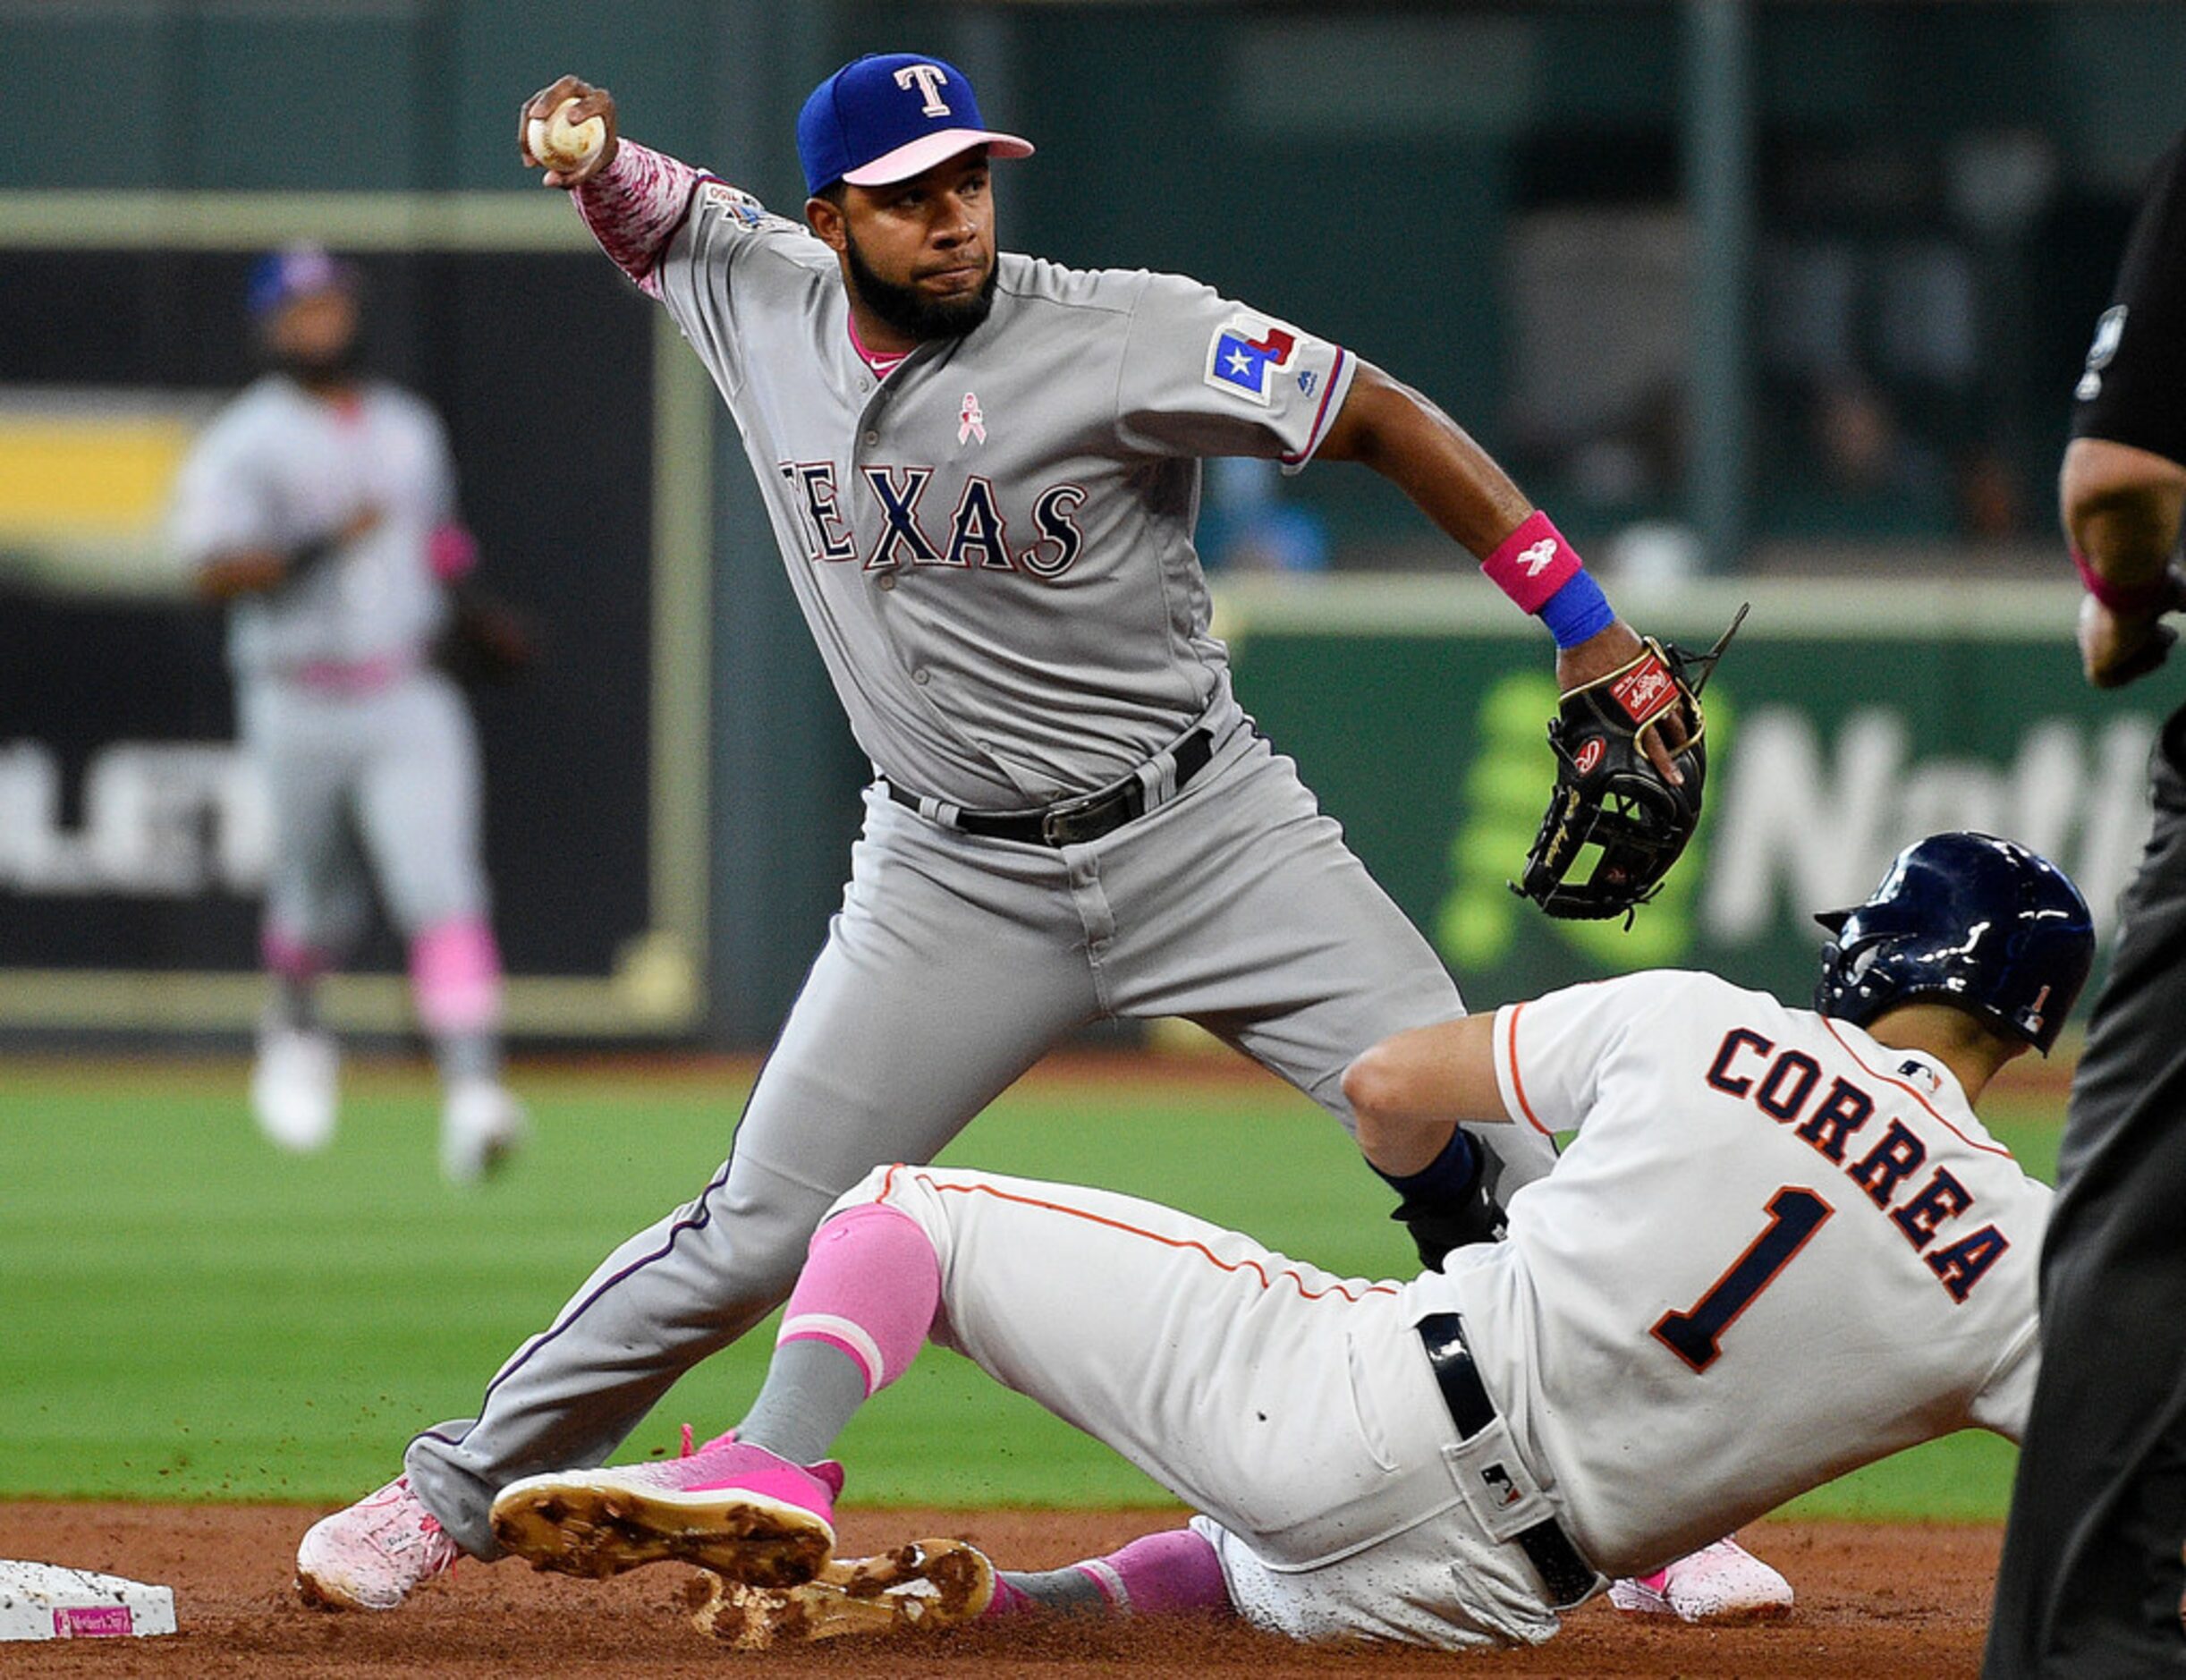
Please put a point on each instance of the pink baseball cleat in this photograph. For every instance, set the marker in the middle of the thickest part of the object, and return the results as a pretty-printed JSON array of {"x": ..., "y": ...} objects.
[
  {"x": 1723, "y": 1582},
  {"x": 373, "y": 1554},
  {"x": 740, "y": 1511}
]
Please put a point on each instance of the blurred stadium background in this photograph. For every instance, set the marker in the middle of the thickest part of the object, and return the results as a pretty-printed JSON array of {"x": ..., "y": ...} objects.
[
  {"x": 1778, "y": 302},
  {"x": 1769, "y": 303}
]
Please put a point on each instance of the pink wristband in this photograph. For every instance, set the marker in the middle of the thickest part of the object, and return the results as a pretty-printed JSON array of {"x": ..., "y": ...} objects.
[
  {"x": 452, "y": 551},
  {"x": 2121, "y": 597},
  {"x": 1532, "y": 563}
]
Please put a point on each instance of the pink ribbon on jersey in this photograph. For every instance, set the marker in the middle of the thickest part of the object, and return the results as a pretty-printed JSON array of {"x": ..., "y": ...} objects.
[{"x": 971, "y": 422}]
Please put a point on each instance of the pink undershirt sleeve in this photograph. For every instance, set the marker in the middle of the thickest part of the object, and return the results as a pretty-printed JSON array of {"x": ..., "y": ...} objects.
[{"x": 634, "y": 205}]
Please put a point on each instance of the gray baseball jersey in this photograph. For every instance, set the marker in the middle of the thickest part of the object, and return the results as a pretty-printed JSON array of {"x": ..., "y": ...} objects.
[
  {"x": 383, "y": 787},
  {"x": 992, "y": 545},
  {"x": 278, "y": 468}
]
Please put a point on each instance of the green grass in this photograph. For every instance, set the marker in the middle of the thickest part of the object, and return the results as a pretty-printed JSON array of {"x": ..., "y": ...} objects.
[{"x": 190, "y": 1315}]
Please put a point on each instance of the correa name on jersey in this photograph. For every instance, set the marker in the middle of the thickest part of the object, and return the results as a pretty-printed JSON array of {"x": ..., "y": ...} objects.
[
  {"x": 978, "y": 530},
  {"x": 1787, "y": 1086}
]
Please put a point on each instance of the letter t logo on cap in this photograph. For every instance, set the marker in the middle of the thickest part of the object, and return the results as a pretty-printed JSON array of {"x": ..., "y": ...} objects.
[{"x": 929, "y": 78}]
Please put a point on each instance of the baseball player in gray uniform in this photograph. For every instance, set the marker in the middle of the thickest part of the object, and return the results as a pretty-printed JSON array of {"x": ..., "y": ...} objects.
[
  {"x": 982, "y": 471},
  {"x": 321, "y": 505},
  {"x": 1779, "y": 1245}
]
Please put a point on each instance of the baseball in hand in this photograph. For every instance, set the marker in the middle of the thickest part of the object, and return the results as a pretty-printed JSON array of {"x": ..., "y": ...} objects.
[{"x": 564, "y": 146}]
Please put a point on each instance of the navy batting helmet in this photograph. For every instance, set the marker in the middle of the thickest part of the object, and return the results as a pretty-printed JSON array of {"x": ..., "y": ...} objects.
[{"x": 1967, "y": 920}]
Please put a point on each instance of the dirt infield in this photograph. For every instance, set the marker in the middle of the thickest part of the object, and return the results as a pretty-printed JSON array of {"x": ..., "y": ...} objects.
[{"x": 1864, "y": 1594}]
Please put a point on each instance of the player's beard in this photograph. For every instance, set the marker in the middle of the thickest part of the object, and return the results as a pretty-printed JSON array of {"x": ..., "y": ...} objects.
[
  {"x": 911, "y": 312},
  {"x": 335, "y": 368}
]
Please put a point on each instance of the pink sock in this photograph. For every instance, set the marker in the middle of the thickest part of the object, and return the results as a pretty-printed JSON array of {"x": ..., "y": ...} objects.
[
  {"x": 291, "y": 958},
  {"x": 455, "y": 975},
  {"x": 1171, "y": 1574},
  {"x": 870, "y": 1287}
]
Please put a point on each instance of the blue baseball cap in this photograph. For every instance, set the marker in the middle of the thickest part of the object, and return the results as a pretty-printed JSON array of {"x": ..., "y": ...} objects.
[
  {"x": 295, "y": 271},
  {"x": 889, "y": 116}
]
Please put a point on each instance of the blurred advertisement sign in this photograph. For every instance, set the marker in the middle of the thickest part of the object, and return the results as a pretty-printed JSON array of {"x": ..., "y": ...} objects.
[
  {"x": 133, "y": 833},
  {"x": 1850, "y": 719}
]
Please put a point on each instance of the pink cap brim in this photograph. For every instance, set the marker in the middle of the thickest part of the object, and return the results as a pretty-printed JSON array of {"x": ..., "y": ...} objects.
[{"x": 928, "y": 149}]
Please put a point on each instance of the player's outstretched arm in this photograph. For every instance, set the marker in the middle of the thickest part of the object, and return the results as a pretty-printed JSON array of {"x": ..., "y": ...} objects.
[
  {"x": 246, "y": 572},
  {"x": 632, "y": 197},
  {"x": 1386, "y": 425},
  {"x": 1410, "y": 1091},
  {"x": 237, "y": 572},
  {"x": 2122, "y": 509}
]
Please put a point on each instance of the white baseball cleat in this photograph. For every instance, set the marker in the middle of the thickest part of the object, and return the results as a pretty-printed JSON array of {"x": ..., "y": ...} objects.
[
  {"x": 1723, "y": 1582},
  {"x": 480, "y": 1126},
  {"x": 373, "y": 1554},
  {"x": 293, "y": 1088}
]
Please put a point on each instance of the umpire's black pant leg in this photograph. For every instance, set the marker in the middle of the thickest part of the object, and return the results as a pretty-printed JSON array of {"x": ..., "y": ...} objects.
[{"x": 2091, "y": 1576}]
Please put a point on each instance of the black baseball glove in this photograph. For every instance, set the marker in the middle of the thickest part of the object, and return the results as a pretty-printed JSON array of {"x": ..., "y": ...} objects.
[
  {"x": 1609, "y": 797},
  {"x": 486, "y": 641},
  {"x": 1437, "y": 1230}
]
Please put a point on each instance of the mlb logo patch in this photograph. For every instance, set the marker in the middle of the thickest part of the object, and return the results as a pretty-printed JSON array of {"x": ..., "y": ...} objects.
[
  {"x": 1244, "y": 354},
  {"x": 737, "y": 205}
]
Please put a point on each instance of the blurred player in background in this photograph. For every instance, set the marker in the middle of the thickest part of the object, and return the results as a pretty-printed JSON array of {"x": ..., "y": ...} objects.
[
  {"x": 2092, "y": 1573},
  {"x": 320, "y": 505}
]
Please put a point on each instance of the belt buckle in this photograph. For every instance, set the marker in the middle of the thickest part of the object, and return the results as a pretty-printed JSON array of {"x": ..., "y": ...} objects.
[{"x": 1072, "y": 823}]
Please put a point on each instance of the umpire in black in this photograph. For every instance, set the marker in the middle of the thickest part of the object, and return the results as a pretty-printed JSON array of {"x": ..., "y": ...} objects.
[{"x": 2092, "y": 1577}]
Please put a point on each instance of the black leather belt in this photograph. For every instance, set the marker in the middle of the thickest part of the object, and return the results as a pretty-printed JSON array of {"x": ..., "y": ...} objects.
[
  {"x": 1072, "y": 821},
  {"x": 1567, "y": 1575}
]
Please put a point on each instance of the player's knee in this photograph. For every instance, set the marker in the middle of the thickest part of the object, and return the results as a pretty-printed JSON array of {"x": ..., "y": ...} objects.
[{"x": 874, "y": 1187}]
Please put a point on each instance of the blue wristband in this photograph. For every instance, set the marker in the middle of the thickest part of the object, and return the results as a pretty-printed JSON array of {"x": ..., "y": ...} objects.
[
  {"x": 1578, "y": 612},
  {"x": 1444, "y": 1181}
]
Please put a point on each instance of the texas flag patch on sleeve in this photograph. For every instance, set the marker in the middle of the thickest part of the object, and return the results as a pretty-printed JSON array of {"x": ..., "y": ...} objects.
[{"x": 1244, "y": 354}]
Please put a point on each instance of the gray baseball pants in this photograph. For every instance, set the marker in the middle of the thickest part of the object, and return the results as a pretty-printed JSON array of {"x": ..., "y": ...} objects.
[
  {"x": 954, "y": 964},
  {"x": 379, "y": 787}
]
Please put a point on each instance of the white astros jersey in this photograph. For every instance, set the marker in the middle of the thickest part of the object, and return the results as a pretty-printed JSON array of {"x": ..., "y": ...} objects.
[
  {"x": 992, "y": 545},
  {"x": 1775, "y": 1251},
  {"x": 278, "y": 468}
]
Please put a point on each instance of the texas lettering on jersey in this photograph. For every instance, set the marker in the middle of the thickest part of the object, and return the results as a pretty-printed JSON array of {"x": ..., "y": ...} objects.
[
  {"x": 974, "y": 535},
  {"x": 1786, "y": 1086}
]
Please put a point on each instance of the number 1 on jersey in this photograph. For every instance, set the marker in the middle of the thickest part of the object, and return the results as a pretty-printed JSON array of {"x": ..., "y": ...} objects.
[{"x": 1794, "y": 1215}]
